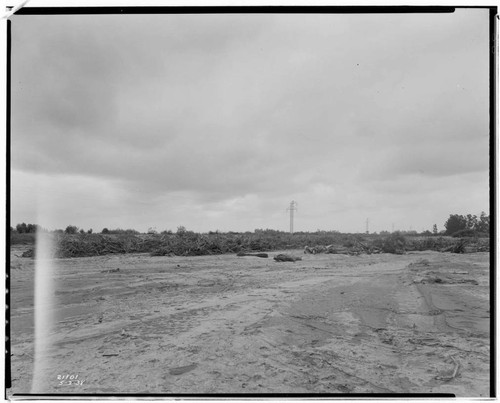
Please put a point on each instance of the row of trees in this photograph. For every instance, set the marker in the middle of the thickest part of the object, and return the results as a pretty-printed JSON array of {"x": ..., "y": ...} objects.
[
  {"x": 24, "y": 228},
  {"x": 27, "y": 228},
  {"x": 72, "y": 229},
  {"x": 467, "y": 224}
]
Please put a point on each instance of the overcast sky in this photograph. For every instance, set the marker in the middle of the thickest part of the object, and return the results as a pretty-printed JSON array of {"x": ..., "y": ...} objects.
[{"x": 219, "y": 121}]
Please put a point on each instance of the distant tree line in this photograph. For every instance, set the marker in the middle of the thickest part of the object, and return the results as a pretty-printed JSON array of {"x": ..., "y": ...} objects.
[
  {"x": 72, "y": 229},
  {"x": 27, "y": 228},
  {"x": 456, "y": 225},
  {"x": 119, "y": 231}
]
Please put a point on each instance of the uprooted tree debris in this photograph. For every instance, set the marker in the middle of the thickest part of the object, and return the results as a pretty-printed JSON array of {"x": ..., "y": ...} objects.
[
  {"x": 400, "y": 245},
  {"x": 251, "y": 244}
]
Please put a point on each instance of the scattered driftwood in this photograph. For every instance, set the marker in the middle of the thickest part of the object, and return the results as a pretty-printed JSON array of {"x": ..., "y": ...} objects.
[
  {"x": 182, "y": 370},
  {"x": 443, "y": 278},
  {"x": 453, "y": 375},
  {"x": 459, "y": 247},
  {"x": 286, "y": 258},
  {"x": 111, "y": 271},
  {"x": 252, "y": 254}
]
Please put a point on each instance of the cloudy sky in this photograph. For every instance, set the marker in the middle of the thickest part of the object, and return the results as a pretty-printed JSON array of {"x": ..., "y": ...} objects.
[{"x": 219, "y": 121}]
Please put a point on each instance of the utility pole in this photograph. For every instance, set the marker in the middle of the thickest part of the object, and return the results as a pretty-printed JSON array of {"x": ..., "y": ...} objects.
[
  {"x": 392, "y": 227},
  {"x": 292, "y": 208},
  {"x": 367, "y": 231}
]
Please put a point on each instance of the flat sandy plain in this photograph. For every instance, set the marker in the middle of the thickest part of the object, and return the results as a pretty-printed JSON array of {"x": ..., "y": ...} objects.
[{"x": 414, "y": 323}]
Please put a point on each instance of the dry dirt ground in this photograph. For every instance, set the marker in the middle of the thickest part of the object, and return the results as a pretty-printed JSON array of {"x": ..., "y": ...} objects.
[{"x": 416, "y": 323}]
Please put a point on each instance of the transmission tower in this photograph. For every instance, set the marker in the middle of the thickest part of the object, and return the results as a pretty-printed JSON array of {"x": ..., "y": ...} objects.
[{"x": 292, "y": 208}]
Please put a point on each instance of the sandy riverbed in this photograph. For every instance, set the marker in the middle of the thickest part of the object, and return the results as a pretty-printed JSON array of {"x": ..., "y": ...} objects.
[{"x": 416, "y": 323}]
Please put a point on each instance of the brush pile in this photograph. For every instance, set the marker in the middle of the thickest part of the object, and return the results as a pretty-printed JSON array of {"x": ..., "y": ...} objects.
[
  {"x": 194, "y": 244},
  {"x": 398, "y": 244},
  {"x": 354, "y": 248},
  {"x": 96, "y": 245},
  {"x": 394, "y": 243},
  {"x": 84, "y": 245},
  {"x": 469, "y": 245}
]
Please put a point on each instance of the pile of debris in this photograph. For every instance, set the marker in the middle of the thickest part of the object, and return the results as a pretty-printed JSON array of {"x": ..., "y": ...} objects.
[
  {"x": 85, "y": 245},
  {"x": 97, "y": 245},
  {"x": 354, "y": 248},
  {"x": 458, "y": 247},
  {"x": 399, "y": 245},
  {"x": 468, "y": 245}
]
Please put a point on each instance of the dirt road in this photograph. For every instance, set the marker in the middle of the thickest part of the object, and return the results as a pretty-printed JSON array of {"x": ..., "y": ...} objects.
[{"x": 417, "y": 323}]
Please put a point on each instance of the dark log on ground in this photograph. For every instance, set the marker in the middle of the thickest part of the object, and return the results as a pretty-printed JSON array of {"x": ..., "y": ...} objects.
[
  {"x": 252, "y": 254},
  {"x": 286, "y": 258}
]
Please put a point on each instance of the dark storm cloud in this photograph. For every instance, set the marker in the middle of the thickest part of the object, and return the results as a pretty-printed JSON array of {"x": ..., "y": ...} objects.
[{"x": 217, "y": 109}]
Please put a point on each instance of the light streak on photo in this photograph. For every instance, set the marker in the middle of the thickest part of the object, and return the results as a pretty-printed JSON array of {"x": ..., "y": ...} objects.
[{"x": 43, "y": 305}]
